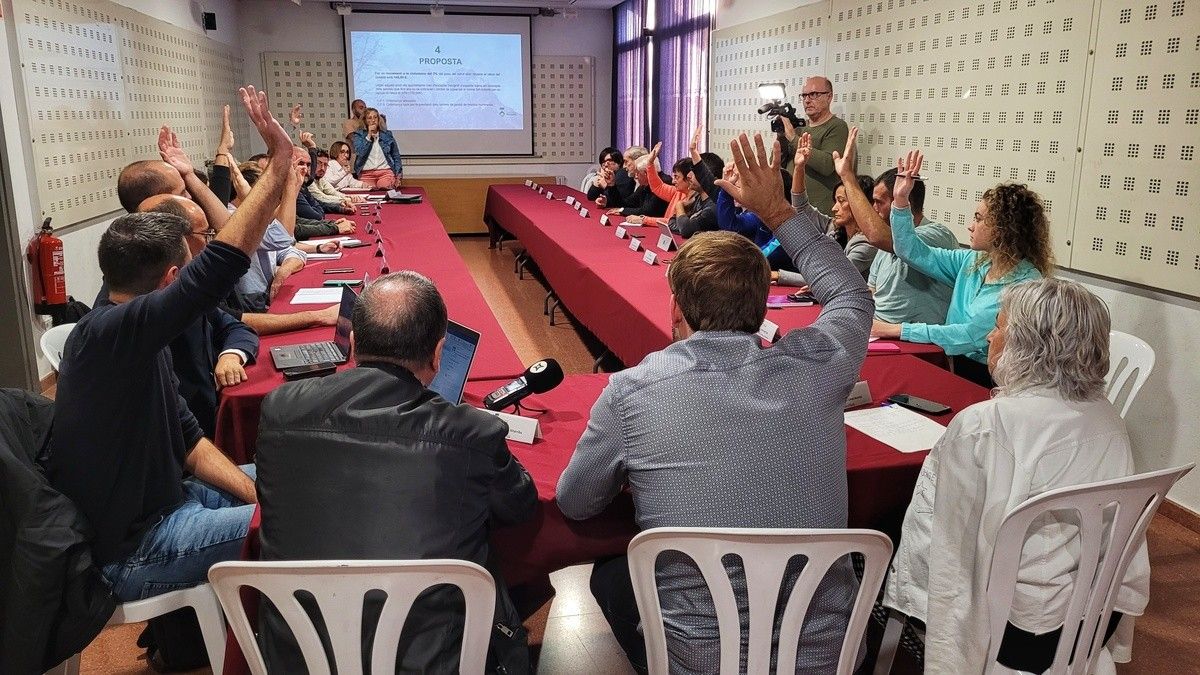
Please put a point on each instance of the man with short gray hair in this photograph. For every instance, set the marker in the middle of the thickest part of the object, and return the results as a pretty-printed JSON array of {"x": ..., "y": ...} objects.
[{"x": 369, "y": 464}]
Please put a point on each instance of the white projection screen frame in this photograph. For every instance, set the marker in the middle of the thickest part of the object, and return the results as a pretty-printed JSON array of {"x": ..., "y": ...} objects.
[{"x": 446, "y": 85}]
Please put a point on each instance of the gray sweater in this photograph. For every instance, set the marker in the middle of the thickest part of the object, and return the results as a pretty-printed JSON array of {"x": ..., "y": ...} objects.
[{"x": 707, "y": 433}]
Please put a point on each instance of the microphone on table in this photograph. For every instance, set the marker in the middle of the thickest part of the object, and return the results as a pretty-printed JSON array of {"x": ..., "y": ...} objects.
[{"x": 538, "y": 378}]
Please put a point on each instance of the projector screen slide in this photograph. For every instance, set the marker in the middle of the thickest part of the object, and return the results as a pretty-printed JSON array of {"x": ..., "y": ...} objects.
[{"x": 451, "y": 85}]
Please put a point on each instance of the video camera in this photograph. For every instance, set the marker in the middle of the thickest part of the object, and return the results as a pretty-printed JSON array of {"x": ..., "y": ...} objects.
[{"x": 776, "y": 106}]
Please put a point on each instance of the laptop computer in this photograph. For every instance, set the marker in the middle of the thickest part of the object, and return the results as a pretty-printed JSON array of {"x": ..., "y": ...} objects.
[
  {"x": 457, "y": 356},
  {"x": 312, "y": 353}
]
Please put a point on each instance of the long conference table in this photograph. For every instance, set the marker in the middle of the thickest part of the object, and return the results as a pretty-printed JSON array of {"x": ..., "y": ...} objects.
[
  {"x": 880, "y": 479},
  {"x": 606, "y": 286}
]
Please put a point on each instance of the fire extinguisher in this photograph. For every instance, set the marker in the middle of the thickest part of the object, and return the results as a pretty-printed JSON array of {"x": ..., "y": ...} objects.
[{"x": 45, "y": 255}]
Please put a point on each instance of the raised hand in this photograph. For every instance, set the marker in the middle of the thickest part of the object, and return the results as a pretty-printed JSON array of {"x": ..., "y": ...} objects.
[
  {"x": 172, "y": 153},
  {"x": 908, "y": 168},
  {"x": 295, "y": 180},
  {"x": 277, "y": 140},
  {"x": 843, "y": 163},
  {"x": 730, "y": 174},
  {"x": 655, "y": 150},
  {"x": 803, "y": 151},
  {"x": 295, "y": 115},
  {"x": 226, "y": 142},
  {"x": 306, "y": 139},
  {"x": 694, "y": 145},
  {"x": 761, "y": 187}
]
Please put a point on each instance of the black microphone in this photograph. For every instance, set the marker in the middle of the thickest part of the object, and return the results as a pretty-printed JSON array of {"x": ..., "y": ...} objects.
[{"x": 539, "y": 378}]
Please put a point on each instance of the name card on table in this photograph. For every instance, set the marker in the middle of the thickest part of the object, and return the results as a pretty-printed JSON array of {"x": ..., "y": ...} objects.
[
  {"x": 549, "y": 194},
  {"x": 604, "y": 219},
  {"x": 583, "y": 213},
  {"x": 520, "y": 429},
  {"x": 860, "y": 394},
  {"x": 650, "y": 258},
  {"x": 577, "y": 205},
  {"x": 528, "y": 183},
  {"x": 620, "y": 232},
  {"x": 769, "y": 330},
  {"x": 570, "y": 200},
  {"x": 666, "y": 242},
  {"x": 634, "y": 243},
  {"x": 540, "y": 189}
]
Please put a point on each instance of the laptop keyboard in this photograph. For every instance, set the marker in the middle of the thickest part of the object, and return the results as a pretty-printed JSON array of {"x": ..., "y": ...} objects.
[{"x": 320, "y": 352}]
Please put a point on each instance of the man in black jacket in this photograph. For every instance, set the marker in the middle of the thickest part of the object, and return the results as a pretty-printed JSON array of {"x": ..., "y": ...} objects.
[{"x": 369, "y": 463}]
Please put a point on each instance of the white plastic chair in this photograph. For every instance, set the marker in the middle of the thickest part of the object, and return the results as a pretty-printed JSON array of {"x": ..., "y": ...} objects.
[
  {"x": 765, "y": 554},
  {"x": 587, "y": 181},
  {"x": 338, "y": 587},
  {"x": 53, "y": 342},
  {"x": 200, "y": 598},
  {"x": 1129, "y": 358},
  {"x": 1099, "y": 575}
]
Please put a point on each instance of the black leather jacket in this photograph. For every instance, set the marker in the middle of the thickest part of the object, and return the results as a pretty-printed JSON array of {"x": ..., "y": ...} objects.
[
  {"x": 368, "y": 464},
  {"x": 53, "y": 600}
]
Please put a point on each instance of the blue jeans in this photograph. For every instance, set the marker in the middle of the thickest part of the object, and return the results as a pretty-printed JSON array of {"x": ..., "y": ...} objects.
[{"x": 208, "y": 527}]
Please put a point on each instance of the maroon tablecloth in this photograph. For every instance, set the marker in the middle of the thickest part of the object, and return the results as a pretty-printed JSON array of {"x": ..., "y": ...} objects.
[
  {"x": 606, "y": 286},
  {"x": 413, "y": 238},
  {"x": 880, "y": 479}
]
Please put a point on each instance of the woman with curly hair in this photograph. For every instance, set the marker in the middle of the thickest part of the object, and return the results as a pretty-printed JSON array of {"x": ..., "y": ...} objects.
[{"x": 1010, "y": 243}]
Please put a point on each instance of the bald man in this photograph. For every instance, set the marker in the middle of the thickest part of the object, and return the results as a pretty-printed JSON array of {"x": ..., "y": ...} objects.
[
  {"x": 369, "y": 463},
  {"x": 262, "y": 324},
  {"x": 828, "y": 132}
]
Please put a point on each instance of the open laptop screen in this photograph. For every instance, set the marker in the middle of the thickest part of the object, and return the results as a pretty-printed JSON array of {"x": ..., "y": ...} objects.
[
  {"x": 457, "y": 355},
  {"x": 341, "y": 334}
]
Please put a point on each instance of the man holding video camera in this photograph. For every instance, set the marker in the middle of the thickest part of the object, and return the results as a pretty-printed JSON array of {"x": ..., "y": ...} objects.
[{"x": 828, "y": 133}]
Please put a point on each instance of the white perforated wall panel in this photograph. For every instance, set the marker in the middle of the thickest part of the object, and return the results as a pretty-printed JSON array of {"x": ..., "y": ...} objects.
[
  {"x": 787, "y": 47},
  {"x": 563, "y": 99},
  {"x": 100, "y": 79},
  {"x": 564, "y": 108},
  {"x": 1006, "y": 90},
  {"x": 75, "y": 94},
  {"x": 989, "y": 91},
  {"x": 1139, "y": 192},
  {"x": 315, "y": 80}
]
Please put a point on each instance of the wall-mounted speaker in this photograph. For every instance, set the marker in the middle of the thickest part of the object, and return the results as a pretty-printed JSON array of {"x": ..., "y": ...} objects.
[{"x": 210, "y": 20}]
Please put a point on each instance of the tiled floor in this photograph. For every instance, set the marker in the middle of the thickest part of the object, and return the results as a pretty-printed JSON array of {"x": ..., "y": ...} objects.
[{"x": 576, "y": 639}]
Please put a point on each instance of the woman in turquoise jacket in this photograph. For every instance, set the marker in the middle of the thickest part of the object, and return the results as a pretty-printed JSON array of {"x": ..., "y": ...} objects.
[{"x": 1010, "y": 243}]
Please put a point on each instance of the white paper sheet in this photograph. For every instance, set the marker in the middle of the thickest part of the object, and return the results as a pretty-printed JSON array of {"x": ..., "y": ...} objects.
[
  {"x": 901, "y": 428},
  {"x": 325, "y": 256},
  {"x": 325, "y": 295}
]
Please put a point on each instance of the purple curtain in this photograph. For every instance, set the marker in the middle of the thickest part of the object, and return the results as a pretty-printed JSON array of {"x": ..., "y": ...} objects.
[
  {"x": 631, "y": 48},
  {"x": 680, "y": 100}
]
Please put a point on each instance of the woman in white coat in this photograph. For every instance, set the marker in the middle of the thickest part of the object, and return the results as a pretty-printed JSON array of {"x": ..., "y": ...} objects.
[{"x": 1047, "y": 426}]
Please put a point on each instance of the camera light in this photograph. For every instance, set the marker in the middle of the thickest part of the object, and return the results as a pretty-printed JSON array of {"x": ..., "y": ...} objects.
[{"x": 772, "y": 91}]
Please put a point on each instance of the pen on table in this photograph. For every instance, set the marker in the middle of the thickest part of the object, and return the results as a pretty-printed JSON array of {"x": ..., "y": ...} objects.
[{"x": 339, "y": 270}]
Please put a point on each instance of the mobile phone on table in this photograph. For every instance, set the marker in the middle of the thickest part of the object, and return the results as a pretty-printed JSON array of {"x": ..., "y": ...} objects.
[
  {"x": 801, "y": 296},
  {"x": 310, "y": 370},
  {"x": 353, "y": 283},
  {"x": 355, "y": 244},
  {"x": 919, "y": 404}
]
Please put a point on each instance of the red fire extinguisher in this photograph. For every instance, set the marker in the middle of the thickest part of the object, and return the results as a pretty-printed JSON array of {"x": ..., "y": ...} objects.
[{"x": 45, "y": 255}]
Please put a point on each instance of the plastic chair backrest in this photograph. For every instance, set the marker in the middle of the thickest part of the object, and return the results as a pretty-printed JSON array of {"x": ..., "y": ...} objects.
[
  {"x": 338, "y": 587},
  {"x": 765, "y": 554},
  {"x": 53, "y": 342},
  {"x": 1131, "y": 503},
  {"x": 1128, "y": 357}
]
